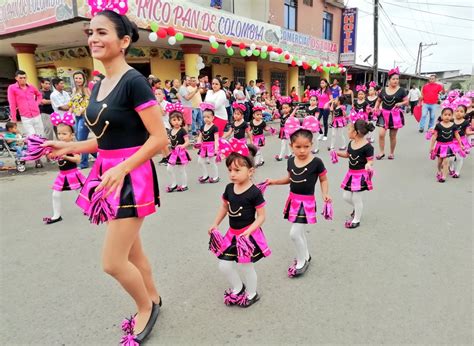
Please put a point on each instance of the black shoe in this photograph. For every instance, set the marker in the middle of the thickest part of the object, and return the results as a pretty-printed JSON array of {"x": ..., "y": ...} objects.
[
  {"x": 245, "y": 302},
  {"x": 294, "y": 272},
  {"x": 49, "y": 221},
  {"x": 420, "y": 130},
  {"x": 163, "y": 162},
  {"x": 38, "y": 164},
  {"x": 350, "y": 224},
  {"x": 155, "y": 311}
]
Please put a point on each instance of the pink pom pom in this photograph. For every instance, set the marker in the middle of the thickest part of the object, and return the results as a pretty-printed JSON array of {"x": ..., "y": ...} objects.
[
  {"x": 245, "y": 247},
  {"x": 433, "y": 155},
  {"x": 273, "y": 131},
  {"x": 100, "y": 209},
  {"x": 328, "y": 211},
  {"x": 215, "y": 242},
  {"x": 429, "y": 134},
  {"x": 263, "y": 186},
  {"x": 333, "y": 155},
  {"x": 34, "y": 149},
  {"x": 129, "y": 340}
]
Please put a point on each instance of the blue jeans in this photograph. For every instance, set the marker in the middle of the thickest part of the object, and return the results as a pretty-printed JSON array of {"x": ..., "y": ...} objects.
[
  {"x": 197, "y": 120},
  {"x": 216, "y": 3},
  {"x": 19, "y": 150},
  {"x": 82, "y": 132},
  {"x": 348, "y": 109},
  {"x": 428, "y": 108}
]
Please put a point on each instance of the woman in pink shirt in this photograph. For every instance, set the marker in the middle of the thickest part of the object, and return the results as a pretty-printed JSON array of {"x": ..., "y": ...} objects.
[{"x": 324, "y": 104}]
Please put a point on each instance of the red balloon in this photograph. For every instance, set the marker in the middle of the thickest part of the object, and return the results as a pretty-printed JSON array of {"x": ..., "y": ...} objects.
[
  {"x": 305, "y": 66},
  {"x": 293, "y": 63},
  {"x": 171, "y": 31},
  {"x": 269, "y": 49},
  {"x": 242, "y": 45},
  {"x": 280, "y": 50},
  {"x": 341, "y": 65},
  {"x": 228, "y": 43},
  {"x": 287, "y": 56},
  {"x": 214, "y": 50},
  {"x": 161, "y": 33},
  {"x": 319, "y": 69}
]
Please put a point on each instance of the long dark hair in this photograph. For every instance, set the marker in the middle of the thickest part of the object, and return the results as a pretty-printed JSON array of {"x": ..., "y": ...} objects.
[{"x": 326, "y": 90}]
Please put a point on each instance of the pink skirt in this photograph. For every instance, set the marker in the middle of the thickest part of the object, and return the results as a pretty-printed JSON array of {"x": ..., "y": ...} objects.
[
  {"x": 72, "y": 179},
  {"x": 357, "y": 180},
  {"x": 139, "y": 194},
  {"x": 391, "y": 119},
  {"x": 300, "y": 208},
  {"x": 449, "y": 149},
  {"x": 178, "y": 156},
  {"x": 282, "y": 134},
  {"x": 258, "y": 140},
  {"x": 339, "y": 122},
  {"x": 466, "y": 142},
  {"x": 230, "y": 245},
  {"x": 207, "y": 149}
]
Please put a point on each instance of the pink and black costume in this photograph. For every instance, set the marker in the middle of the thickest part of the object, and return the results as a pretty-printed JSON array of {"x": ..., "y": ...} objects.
[
  {"x": 359, "y": 111},
  {"x": 242, "y": 209},
  {"x": 358, "y": 178},
  {"x": 461, "y": 128},
  {"x": 391, "y": 117},
  {"x": 120, "y": 133},
  {"x": 69, "y": 177},
  {"x": 258, "y": 136},
  {"x": 445, "y": 141},
  {"x": 339, "y": 120},
  {"x": 207, "y": 148},
  {"x": 178, "y": 156},
  {"x": 240, "y": 130},
  {"x": 281, "y": 134},
  {"x": 300, "y": 206}
]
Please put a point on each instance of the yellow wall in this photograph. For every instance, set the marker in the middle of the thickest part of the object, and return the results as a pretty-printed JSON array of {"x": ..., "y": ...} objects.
[
  {"x": 165, "y": 69},
  {"x": 86, "y": 63},
  {"x": 223, "y": 70}
]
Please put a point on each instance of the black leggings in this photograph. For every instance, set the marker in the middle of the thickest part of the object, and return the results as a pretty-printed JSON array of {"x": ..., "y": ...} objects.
[{"x": 324, "y": 113}]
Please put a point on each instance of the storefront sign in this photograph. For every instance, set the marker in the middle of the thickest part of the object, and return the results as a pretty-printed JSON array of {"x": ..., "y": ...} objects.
[
  {"x": 201, "y": 22},
  {"x": 17, "y": 15},
  {"x": 348, "y": 36}
]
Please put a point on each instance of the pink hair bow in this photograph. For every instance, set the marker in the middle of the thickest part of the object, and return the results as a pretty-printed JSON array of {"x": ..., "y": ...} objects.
[
  {"x": 174, "y": 107},
  {"x": 462, "y": 101},
  {"x": 67, "y": 119},
  {"x": 453, "y": 94},
  {"x": 361, "y": 88},
  {"x": 314, "y": 93},
  {"x": 206, "y": 106},
  {"x": 240, "y": 106},
  {"x": 285, "y": 99},
  {"x": 393, "y": 71},
  {"x": 258, "y": 108},
  {"x": 448, "y": 104},
  {"x": 470, "y": 93},
  {"x": 232, "y": 146},
  {"x": 118, "y": 6},
  {"x": 372, "y": 84},
  {"x": 293, "y": 124}
]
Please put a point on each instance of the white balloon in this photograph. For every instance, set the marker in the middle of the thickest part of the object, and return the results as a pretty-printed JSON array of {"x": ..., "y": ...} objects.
[
  {"x": 201, "y": 66},
  {"x": 314, "y": 67},
  {"x": 212, "y": 38},
  {"x": 199, "y": 59},
  {"x": 172, "y": 40},
  {"x": 153, "y": 36},
  {"x": 303, "y": 58},
  {"x": 264, "y": 48},
  {"x": 249, "y": 53},
  {"x": 253, "y": 46},
  {"x": 273, "y": 55},
  {"x": 299, "y": 63}
]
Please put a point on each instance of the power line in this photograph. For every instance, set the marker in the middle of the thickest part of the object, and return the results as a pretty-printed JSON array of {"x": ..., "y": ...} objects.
[
  {"x": 437, "y": 34},
  {"x": 438, "y": 4},
  {"x": 390, "y": 41},
  {"x": 437, "y": 14}
]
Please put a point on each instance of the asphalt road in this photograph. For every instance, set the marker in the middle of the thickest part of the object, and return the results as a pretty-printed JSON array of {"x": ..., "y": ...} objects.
[{"x": 403, "y": 277}]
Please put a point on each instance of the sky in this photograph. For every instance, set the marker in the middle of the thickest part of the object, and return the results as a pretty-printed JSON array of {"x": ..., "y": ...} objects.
[{"x": 414, "y": 27}]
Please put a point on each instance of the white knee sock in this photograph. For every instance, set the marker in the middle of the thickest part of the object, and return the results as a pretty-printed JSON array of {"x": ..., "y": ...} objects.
[
  {"x": 343, "y": 139},
  {"x": 56, "y": 204},
  {"x": 298, "y": 238},
  {"x": 347, "y": 196},
  {"x": 202, "y": 162},
  {"x": 333, "y": 137},
  {"x": 250, "y": 276},
  {"x": 358, "y": 206},
  {"x": 229, "y": 269},
  {"x": 315, "y": 144},
  {"x": 182, "y": 177},
  {"x": 283, "y": 148},
  {"x": 458, "y": 164},
  {"x": 214, "y": 169},
  {"x": 172, "y": 171},
  {"x": 258, "y": 157}
]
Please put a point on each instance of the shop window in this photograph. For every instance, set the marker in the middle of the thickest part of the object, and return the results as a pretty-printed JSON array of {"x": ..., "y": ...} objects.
[
  {"x": 327, "y": 26},
  {"x": 308, "y": 2},
  {"x": 290, "y": 9},
  {"x": 281, "y": 77}
]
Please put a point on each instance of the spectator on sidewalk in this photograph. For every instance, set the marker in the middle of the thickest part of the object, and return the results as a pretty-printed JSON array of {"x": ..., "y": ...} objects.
[
  {"x": 59, "y": 97},
  {"x": 196, "y": 101},
  {"x": 26, "y": 98},
  {"x": 185, "y": 96},
  {"x": 430, "y": 98},
  {"x": 46, "y": 109},
  {"x": 413, "y": 97}
]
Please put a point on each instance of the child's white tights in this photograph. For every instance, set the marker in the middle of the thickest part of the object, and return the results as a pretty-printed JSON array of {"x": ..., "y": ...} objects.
[
  {"x": 355, "y": 200},
  {"x": 178, "y": 175},
  {"x": 56, "y": 204},
  {"x": 297, "y": 235},
  {"x": 284, "y": 148},
  {"x": 213, "y": 167},
  {"x": 338, "y": 131},
  {"x": 229, "y": 269}
]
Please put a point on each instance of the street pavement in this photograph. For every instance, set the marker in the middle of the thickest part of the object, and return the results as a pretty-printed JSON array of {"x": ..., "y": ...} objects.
[{"x": 403, "y": 277}]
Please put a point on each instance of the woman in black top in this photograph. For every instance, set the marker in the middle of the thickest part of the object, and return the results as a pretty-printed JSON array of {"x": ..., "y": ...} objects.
[
  {"x": 126, "y": 119},
  {"x": 389, "y": 104}
]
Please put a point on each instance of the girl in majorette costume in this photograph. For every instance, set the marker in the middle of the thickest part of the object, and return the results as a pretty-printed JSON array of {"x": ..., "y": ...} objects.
[
  {"x": 339, "y": 121},
  {"x": 324, "y": 104},
  {"x": 239, "y": 128},
  {"x": 122, "y": 186},
  {"x": 359, "y": 177},
  {"x": 359, "y": 111},
  {"x": 464, "y": 128},
  {"x": 389, "y": 104},
  {"x": 208, "y": 141},
  {"x": 161, "y": 98},
  {"x": 179, "y": 156},
  {"x": 313, "y": 111},
  {"x": 470, "y": 114},
  {"x": 442, "y": 141},
  {"x": 300, "y": 208},
  {"x": 69, "y": 177},
  {"x": 371, "y": 101},
  {"x": 244, "y": 243},
  {"x": 287, "y": 111},
  {"x": 258, "y": 126}
]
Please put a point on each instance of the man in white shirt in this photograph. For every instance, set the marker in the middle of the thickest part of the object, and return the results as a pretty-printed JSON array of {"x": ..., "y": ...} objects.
[
  {"x": 59, "y": 97},
  {"x": 413, "y": 96},
  {"x": 185, "y": 97}
]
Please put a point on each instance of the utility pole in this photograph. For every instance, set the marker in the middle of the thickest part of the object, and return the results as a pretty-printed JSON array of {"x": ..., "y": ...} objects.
[
  {"x": 419, "y": 57},
  {"x": 376, "y": 40}
]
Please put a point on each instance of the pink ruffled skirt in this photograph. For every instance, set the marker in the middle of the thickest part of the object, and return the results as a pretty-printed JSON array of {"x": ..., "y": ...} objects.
[
  {"x": 300, "y": 209},
  {"x": 207, "y": 149},
  {"x": 339, "y": 122},
  {"x": 229, "y": 245},
  {"x": 71, "y": 179},
  {"x": 258, "y": 140},
  {"x": 357, "y": 180}
]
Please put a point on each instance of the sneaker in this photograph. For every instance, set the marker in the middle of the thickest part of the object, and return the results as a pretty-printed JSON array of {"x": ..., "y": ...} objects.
[
  {"x": 214, "y": 180},
  {"x": 325, "y": 138},
  {"x": 320, "y": 137}
]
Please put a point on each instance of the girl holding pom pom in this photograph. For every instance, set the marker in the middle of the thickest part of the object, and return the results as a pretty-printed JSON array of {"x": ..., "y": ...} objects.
[{"x": 244, "y": 243}]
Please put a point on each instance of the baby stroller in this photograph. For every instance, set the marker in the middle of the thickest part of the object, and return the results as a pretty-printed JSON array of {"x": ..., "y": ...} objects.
[{"x": 6, "y": 151}]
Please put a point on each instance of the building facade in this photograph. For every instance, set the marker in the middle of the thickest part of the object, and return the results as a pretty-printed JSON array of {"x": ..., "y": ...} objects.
[{"x": 45, "y": 38}]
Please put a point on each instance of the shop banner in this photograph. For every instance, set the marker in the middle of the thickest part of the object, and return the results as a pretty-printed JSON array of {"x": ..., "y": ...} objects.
[
  {"x": 201, "y": 22},
  {"x": 18, "y": 15},
  {"x": 348, "y": 36}
]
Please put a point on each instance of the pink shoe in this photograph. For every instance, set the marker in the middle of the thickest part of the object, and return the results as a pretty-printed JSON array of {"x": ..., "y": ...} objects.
[
  {"x": 170, "y": 188},
  {"x": 182, "y": 188},
  {"x": 202, "y": 180},
  {"x": 214, "y": 180},
  {"x": 451, "y": 172},
  {"x": 455, "y": 175}
]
